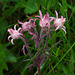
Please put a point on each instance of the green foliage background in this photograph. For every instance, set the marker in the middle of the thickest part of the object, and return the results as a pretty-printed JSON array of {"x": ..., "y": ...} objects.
[{"x": 11, "y": 57}]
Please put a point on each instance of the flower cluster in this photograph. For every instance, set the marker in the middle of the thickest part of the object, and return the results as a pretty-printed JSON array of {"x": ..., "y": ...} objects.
[{"x": 38, "y": 35}]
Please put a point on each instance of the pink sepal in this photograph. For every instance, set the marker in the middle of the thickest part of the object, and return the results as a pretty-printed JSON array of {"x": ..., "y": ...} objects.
[
  {"x": 23, "y": 49},
  {"x": 20, "y": 22},
  {"x": 30, "y": 32}
]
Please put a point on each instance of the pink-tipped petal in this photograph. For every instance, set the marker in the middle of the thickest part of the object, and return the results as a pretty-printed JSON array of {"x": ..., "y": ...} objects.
[
  {"x": 12, "y": 41},
  {"x": 31, "y": 33},
  {"x": 57, "y": 28},
  {"x": 64, "y": 27},
  {"x": 31, "y": 20},
  {"x": 15, "y": 27},
  {"x": 64, "y": 30},
  {"x": 37, "y": 16},
  {"x": 9, "y": 38},
  {"x": 56, "y": 14},
  {"x": 40, "y": 14},
  {"x": 47, "y": 13},
  {"x": 52, "y": 19},
  {"x": 20, "y": 22},
  {"x": 19, "y": 29}
]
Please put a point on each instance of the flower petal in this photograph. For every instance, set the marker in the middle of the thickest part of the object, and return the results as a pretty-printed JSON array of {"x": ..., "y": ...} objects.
[
  {"x": 19, "y": 29},
  {"x": 12, "y": 41},
  {"x": 9, "y": 38},
  {"x": 40, "y": 14},
  {"x": 57, "y": 28},
  {"x": 56, "y": 14},
  {"x": 24, "y": 50},
  {"x": 20, "y": 22},
  {"x": 64, "y": 30}
]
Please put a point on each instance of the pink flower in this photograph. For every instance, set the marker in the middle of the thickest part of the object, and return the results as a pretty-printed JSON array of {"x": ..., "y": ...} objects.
[
  {"x": 59, "y": 22},
  {"x": 27, "y": 25},
  {"x": 14, "y": 34},
  {"x": 44, "y": 21}
]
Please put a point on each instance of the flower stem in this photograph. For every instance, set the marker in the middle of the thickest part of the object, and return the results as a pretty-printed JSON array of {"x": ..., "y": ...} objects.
[
  {"x": 26, "y": 47},
  {"x": 46, "y": 41},
  {"x": 25, "y": 38},
  {"x": 39, "y": 73},
  {"x": 35, "y": 30}
]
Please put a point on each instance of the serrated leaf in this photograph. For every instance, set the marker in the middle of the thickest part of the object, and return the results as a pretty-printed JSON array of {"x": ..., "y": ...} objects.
[
  {"x": 31, "y": 7},
  {"x": 3, "y": 64}
]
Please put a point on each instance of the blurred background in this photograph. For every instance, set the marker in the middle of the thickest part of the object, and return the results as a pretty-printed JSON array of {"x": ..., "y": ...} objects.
[{"x": 11, "y": 56}]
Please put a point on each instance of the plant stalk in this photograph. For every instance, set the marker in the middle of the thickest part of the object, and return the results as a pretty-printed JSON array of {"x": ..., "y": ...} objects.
[
  {"x": 39, "y": 73},
  {"x": 26, "y": 47}
]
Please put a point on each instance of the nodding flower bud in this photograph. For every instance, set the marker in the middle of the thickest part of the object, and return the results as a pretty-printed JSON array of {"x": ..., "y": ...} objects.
[
  {"x": 27, "y": 25},
  {"x": 44, "y": 21},
  {"x": 14, "y": 34},
  {"x": 59, "y": 22}
]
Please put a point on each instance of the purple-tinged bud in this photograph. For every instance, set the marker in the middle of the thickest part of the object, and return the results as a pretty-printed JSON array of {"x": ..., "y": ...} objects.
[
  {"x": 14, "y": 34},
  {"x": 27, "y": 25},
  {"x": 59, "y": 22},
  {"x": 44, "y": 21}
]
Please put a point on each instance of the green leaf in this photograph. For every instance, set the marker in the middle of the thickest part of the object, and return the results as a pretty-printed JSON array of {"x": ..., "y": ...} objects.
[
  {"x": 31, "y": 7},
  {"x": 3, "y": 25},
  {"x": 3, "y": 64},
  {"x": 9, "y": 56},
  {"x": 63, "y": 7},
  {"x": 62, "y": 58},
  {"x": 9, "y": 11},
  {"x": 64, "y": 2},
  {"x": 71, "y": 64},
  {"x": 65, "y": 70}
]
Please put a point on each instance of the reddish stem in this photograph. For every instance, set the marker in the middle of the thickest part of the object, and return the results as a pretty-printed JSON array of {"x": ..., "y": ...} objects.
[{"x": 39, "y": 73}]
